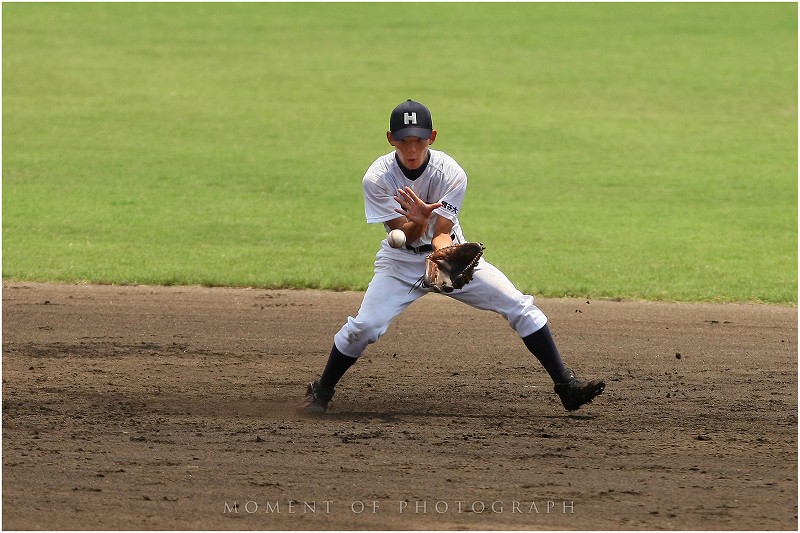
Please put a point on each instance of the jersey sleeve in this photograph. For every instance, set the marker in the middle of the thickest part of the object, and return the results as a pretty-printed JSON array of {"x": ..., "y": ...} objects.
[
  {"x": 453, "y": 196},
  {"x": 379, "y": 193}
]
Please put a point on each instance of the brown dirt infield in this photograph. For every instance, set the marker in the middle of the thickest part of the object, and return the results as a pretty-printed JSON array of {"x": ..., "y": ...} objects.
[{"x": 132, "y": 407}]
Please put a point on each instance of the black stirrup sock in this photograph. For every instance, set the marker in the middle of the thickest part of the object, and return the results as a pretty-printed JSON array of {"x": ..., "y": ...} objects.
[
  {"x": 542, "y": 345},
  {"x": 337, "y": 365}
]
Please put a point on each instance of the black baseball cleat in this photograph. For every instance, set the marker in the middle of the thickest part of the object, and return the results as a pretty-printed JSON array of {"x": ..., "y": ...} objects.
[
  {"x": 316, "y": 400},
  {"x": 574, "y": 393}
]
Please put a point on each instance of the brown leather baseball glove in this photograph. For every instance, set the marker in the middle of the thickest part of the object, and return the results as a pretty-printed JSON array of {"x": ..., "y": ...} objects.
[{"x": 451, "y": 267}]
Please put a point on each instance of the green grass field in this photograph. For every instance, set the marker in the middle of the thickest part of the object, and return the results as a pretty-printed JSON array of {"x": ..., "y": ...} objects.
[{"x": 644, "y": 151}]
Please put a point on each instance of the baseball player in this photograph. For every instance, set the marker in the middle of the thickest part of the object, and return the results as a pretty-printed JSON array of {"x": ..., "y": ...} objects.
[{"x": 420, "y": 191}]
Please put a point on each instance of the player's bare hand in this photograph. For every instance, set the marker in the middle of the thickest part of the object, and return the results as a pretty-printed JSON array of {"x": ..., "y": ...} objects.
[{"x": 413, "y": 207}]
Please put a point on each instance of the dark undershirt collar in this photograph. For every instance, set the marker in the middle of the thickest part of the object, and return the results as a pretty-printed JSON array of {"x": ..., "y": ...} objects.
[{"x": 413, "y": 174}]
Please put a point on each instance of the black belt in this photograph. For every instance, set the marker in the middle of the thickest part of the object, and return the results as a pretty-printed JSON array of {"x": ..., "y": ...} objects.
[
  {"x": 420, "y": 249},
  {"x": 424, "y": 248}
]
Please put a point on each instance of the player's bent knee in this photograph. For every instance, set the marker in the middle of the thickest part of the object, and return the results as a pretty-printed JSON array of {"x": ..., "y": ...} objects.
[{"x": 355, "y": 336}]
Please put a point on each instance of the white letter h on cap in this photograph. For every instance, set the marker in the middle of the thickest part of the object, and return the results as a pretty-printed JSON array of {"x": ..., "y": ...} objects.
[{"x": 410, "y": 118}]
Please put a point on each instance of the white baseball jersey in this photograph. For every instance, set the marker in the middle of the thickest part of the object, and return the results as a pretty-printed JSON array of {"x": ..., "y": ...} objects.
[{"x": 442, "y": 181}]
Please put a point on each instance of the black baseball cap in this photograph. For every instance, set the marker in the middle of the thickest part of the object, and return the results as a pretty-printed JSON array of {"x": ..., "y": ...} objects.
[{"x": 411, "y": 119}]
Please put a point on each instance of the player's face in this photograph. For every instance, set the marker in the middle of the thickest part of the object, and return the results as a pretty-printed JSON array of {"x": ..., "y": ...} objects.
[{"x": 412, "y": 151}]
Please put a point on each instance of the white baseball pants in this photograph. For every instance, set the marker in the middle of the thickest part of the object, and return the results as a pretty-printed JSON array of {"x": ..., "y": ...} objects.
[{"x": 396, "y": 271}]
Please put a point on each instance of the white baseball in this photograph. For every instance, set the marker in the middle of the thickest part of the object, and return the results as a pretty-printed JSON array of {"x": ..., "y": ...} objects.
[{"x": 396, "y": 238}]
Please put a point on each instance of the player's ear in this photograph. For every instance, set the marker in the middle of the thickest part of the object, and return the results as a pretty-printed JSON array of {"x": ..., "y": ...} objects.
[
  {"x": 433, "y": 136},
  {"x": 390, "y": 138}
]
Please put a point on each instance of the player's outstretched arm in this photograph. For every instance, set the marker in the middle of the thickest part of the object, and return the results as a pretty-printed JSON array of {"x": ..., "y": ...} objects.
[
  {"x": 442, "y": 233},
  {"x": 417, "y": 213}
]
